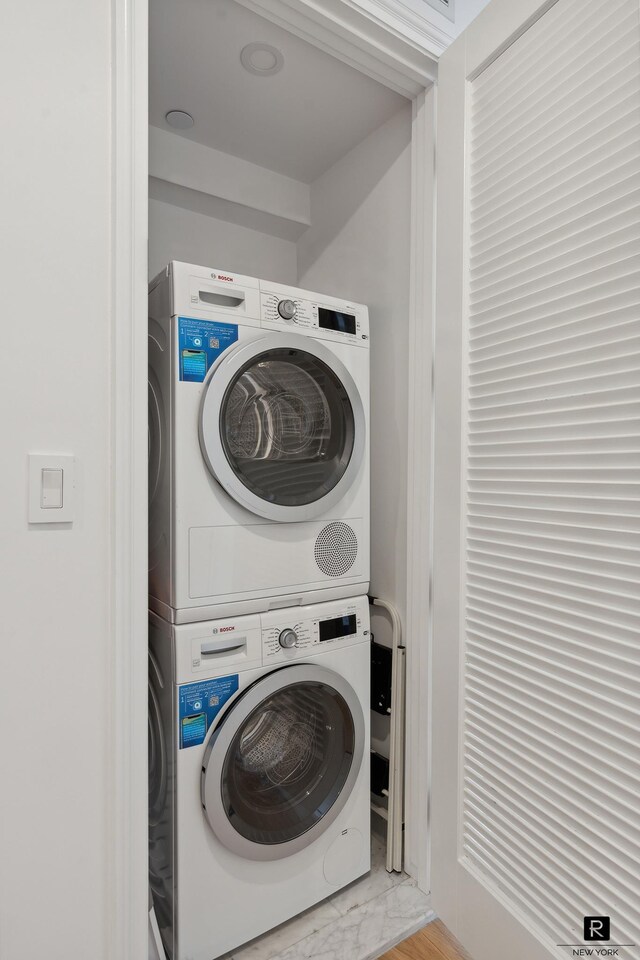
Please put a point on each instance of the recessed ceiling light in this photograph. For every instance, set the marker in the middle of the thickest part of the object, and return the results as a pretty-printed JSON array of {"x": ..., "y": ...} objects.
[
  {"x": 179, "y": 119},
  {"x": 261, "y": 59}
]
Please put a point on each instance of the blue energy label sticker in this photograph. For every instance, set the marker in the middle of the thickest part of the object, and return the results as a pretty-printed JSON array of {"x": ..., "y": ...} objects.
[
  {"x": 199, "y": 704},
  {"x": 200, "y": 343}
]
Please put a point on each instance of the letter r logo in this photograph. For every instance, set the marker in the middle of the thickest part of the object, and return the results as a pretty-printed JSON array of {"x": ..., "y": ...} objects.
[{"x": 597, "y": 928}]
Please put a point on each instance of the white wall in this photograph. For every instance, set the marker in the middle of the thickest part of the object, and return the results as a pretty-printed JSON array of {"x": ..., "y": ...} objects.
[
  {"x": 54, "y": 656},
  {"x": 182, "y": 162},
  {"x": 358, "y": 248},
  {"x": 179, "y": 234},
  {"x": 466, "y": 11}
]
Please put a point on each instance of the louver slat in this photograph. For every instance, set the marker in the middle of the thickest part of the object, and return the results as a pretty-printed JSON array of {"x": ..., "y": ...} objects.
[
  {"x": 555, "y": 238},
  {"x": 551, "y": 684},
  {"x": 588, "y": 19}
]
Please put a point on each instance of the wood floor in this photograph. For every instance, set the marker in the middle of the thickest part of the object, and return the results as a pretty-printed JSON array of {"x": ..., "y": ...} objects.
[{"x": 433, "y": 942}]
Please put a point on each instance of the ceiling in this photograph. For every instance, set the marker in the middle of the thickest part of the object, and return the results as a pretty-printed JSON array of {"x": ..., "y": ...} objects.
[{"x": 297, "y": 122}]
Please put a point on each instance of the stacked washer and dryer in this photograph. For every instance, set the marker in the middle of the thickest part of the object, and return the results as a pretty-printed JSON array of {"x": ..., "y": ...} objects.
[{"x": 259, "y": 623}]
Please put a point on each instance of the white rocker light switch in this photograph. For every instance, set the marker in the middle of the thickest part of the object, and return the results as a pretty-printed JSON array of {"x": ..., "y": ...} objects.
[{"x": 51, "y": 488}]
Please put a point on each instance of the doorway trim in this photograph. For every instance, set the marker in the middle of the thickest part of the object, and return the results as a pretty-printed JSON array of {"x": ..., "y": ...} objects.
[
  {"x": 374, "y": 38},
  {"x": 126, "y": 936},
  {"x": 420, "y": 489}
]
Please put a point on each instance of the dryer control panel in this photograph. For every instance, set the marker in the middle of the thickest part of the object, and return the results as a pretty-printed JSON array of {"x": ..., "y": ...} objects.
[{"x": 293, "y": 633}]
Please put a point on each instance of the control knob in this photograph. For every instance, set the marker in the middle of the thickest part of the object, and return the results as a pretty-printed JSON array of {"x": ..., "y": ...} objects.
[
  {"x": 288, "y": 638},
  {"x": 287, "y": 309}
]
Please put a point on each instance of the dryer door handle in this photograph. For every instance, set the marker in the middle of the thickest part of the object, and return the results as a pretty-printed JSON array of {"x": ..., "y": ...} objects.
[{"x": 224, "y": 645}]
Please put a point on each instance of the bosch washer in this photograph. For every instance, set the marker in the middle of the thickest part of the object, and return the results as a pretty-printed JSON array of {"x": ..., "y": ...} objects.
[{"x": 259, "y": 773}]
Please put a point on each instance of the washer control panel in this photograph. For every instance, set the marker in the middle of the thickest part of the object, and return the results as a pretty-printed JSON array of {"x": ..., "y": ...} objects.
[
  {"x": 338, "y": 320},
  {"x": 290, "y": 634}
]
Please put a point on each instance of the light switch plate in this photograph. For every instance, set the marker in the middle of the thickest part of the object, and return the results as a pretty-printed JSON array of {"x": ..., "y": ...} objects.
[{"x": 47, "y": 473}]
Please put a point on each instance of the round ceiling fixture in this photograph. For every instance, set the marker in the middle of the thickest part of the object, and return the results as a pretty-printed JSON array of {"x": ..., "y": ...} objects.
[
  {"x": 261, "y": 59},
  {"x": 179, "y": 119}
]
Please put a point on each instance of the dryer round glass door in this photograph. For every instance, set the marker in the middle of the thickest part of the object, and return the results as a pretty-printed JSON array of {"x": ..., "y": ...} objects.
[
  {"x": 282, "y": 427},
  {"x": 283, "y": 761}
]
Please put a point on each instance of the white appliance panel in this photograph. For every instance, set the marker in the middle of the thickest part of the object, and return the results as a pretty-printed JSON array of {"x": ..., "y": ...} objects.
[{"x": 220, "y": 557}]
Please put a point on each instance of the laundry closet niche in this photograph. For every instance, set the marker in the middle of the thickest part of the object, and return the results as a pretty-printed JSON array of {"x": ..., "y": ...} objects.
[{"x": 296, "y": 169}]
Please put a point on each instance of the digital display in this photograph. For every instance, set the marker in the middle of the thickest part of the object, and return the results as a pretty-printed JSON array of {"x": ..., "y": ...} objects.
[
  {"x": 332, "y": 320},
  {"x": 338, "y": 627}
]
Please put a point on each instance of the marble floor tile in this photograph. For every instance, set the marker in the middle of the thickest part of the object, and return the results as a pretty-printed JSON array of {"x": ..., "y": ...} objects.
[
  {"x": 272, "y": 944},
  {"x": 366, "y": 931},
  {"x": 369, "y": 886}
]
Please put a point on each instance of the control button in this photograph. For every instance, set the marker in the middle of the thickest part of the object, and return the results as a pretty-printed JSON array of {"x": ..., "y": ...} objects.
[
  {"x": 51, "y": 491},
  {"x": 287, "y": 309},
  {"x": 288, "y": 639}
]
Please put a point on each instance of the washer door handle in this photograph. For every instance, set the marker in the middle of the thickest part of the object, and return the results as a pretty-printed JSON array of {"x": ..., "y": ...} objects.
[{"x": 224, "y": 645}]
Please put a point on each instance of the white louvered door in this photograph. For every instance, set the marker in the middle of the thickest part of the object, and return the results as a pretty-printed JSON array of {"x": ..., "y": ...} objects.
[{"x": 536, "y": 594}]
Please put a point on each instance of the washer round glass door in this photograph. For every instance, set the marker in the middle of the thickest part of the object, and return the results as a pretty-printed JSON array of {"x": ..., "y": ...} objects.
[
  {"x": 282, "y": 426},
  {"x": 283, "y": 761}
]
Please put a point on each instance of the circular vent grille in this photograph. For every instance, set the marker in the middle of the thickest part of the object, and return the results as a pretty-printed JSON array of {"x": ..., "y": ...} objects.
[{"x": 336, "y": 549}]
